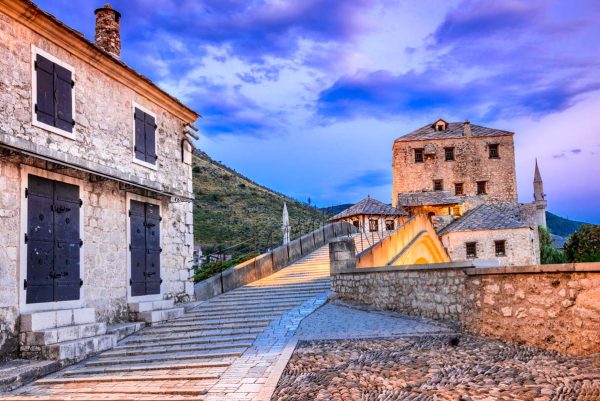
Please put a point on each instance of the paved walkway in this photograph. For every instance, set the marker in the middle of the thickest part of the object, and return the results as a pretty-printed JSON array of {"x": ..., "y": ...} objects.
[{"x": 224, "y": 349}]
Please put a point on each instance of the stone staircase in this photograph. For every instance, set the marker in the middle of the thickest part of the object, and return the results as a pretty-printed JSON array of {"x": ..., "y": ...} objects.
[
  {"x": 190, "y": 357},
  {"x": 67, "y": 335},
  {"x": 154, "y": 312}
]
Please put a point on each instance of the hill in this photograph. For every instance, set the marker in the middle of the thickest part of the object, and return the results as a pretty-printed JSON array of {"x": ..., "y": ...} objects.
[
  {"x": 333, "y": 210},
  {"x": 561, "y": 226},
  {"x": 230, "y": 209}
]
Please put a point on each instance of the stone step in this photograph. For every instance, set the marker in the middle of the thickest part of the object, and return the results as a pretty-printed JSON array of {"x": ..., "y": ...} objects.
[
  {"x": 268, "y": 295},
  {"x": 18, "y": 372},
  {"x": 259, "y": 292},
  {"x": 233, "y": 353},
  {"x": 118, "y": 379},
  {"x": 204, "y": 333},
  {"x": 230, "y": 319},
  {"x": 241, "y": 309},
  {"x": 107, "y": 397},
  {"x": 147, "y": 342},
  {"x": 77, "y": 350},
  {"x": 202, "y": 327},
  {"x": 260, "y": 301},
  {"x": 147, "y": 367},
  {"x": 123, "y": 330},
  {"x": 107, "y": 391},
  {"x": 148, "y": 306},
  {"x": 36, "y": 321},
  {"x": 62, "y": 334},
  {"x": 157, "y": 316},
  {"x": 117, "y": 352},
  {"x": 213, "y": 321},
  {"x": 208, "y": 313}
]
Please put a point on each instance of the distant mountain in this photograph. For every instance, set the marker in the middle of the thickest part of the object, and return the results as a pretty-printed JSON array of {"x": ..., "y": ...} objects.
[
  {"x": 561, "y": 226},
  {"x": 230, "y": 209},
  {"x": 333, "y": 210}
]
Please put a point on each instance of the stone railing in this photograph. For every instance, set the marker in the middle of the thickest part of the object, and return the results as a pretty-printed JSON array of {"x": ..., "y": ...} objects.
[
  {"x": 270, "y": 262},
  {"x": 556, "y": 307}
]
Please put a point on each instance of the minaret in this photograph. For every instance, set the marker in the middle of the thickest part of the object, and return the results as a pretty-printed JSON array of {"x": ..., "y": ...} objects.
[{"x": 539, "y": 197}]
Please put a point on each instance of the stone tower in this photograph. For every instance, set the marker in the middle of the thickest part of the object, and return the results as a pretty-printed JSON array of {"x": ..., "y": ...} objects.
[
  {"x": 108, "y": 30},
  {"x": 539, "y": 197}
]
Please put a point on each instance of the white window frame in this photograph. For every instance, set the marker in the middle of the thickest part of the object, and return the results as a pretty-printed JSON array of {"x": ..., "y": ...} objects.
[
  {"x": 34, "y": 121},
  {"x": 135, "y": 159},
  {"x": 24, "y": 307},
  {"x": 143, "y": 298}
]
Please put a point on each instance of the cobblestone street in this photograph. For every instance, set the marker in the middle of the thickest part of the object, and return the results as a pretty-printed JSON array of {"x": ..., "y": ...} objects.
[{"x": 435, "y": 368}]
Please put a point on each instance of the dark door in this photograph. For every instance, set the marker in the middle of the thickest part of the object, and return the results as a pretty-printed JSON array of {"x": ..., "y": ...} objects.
[
  {"x": 145, "y": 248},
  {"x": 53, "y": 242}
]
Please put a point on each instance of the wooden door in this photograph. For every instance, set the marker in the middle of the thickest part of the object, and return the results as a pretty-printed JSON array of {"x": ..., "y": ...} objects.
[{"x": 145, "y": 248}]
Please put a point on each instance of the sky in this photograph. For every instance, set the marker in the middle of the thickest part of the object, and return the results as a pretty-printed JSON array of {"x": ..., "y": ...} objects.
[{"x": 306, "y": 97}]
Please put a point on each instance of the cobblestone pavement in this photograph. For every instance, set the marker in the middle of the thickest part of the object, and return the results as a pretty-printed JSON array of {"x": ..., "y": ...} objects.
[
  {"x": 223, "y": 349},
  {"x": 428, "y": 368}
]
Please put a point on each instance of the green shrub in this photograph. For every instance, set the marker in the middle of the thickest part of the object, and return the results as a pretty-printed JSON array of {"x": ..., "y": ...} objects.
[
  {"x": 584, "y": 244},
  {"x": 549, "y": 254}
]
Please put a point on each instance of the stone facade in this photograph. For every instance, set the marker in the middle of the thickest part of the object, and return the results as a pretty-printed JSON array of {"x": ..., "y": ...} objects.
[
  {"x": 98, "y": 157},
  {"x": 556, "y": 307},
  {"x": 519, "y": 246},
  {"x": 471, "y": 164}
]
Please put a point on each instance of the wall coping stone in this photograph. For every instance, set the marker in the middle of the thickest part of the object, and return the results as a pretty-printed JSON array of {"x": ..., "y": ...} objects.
[
  {"x": 554, "y": 268},
  {"x": 404, "y": 268}
]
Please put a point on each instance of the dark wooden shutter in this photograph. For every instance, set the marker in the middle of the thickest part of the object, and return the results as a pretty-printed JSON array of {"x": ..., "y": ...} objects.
[
  {"x": 63, "y": 86},
  {"x": 44, "y": 107},
  {"x": 150, "y": 132},
  {"x": 140, "y": 136}
]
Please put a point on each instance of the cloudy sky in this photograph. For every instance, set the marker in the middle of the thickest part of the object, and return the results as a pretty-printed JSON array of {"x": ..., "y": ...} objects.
[{"x": 306, "y": 97}]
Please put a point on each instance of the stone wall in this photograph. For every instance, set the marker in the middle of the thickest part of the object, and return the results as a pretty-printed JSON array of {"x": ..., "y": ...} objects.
[
  {"x": 471, "y": 164},
  {"x": 103, "y": 114},
  {"x": 556, "y": 307},
  {"x": 520, "y": 243}
]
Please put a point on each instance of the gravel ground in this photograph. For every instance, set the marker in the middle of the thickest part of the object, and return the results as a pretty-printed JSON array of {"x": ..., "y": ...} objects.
[{"x": 435, "y": 368}]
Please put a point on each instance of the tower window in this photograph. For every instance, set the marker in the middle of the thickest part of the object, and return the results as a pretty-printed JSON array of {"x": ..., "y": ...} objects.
[
  {"x": 471, "y": 250},
  {"x": 459, "y": 188},
  {"x": 449, "y": 154},
  {"x": 500, "y": 247},
  {"x": 389, "y": 225},
  {"x": 419, "y": 156},
  {"x": 373, "y": 225},
  {"x": 438, "y": 185},
  {"x": 493, "y": 149},
  {"x": 356, "y": 223},
  {"x": 481, "y": 187}
]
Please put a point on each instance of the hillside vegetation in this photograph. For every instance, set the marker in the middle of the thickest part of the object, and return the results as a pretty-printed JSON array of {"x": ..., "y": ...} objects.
[
  {"x": 230, "y": 209},
  {"x": 561, "y": 226}
]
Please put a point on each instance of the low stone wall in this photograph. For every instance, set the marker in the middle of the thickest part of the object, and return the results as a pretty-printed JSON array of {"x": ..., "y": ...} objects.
[
  {"x": 268, "y": 263},
  {"x": 555, "y": 307}
]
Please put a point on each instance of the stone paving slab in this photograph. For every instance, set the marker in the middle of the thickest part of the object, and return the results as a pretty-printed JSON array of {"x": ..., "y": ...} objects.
[{"x": 18, "y": 372}]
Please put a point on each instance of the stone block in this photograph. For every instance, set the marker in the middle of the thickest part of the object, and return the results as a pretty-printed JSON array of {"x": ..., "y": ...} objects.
[{"x": 84, "y": 315}]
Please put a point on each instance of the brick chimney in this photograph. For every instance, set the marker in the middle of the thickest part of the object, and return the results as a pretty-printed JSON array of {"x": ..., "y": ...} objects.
[
  {"x": 467, "y": 129},
  {"x": 108, "y": 30}
]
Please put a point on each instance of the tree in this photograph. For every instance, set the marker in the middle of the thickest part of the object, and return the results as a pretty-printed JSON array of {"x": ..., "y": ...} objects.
[
  {"x": 548, "y": 253},
  {"x": 584, "y": 244}
]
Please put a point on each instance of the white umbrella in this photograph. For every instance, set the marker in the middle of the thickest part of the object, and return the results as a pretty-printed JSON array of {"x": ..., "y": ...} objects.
[{"x": 285, "y": 226}]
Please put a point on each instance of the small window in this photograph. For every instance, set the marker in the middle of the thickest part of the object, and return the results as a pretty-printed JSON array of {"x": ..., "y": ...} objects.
[
  {"x": 438, "y": 185},
  {"x": 481, "y": 187},
  {"x": 418, "y": 155},
  {"x": 389, "y": 225},
  {"x": 145, "y": 137},
  {"x": 500, "y": 247},
  {"x": 373, "y": 225},
  {"x": 54, "y": 95},
  {"x": 471, "y": 250},
  {"x": 494, "y": 154},
  {"x": 449, "y": 154},
  {"x": 356, "y": 223},
  {"x": 456, "y": 211},
  {"x": 459, "y": 188}
]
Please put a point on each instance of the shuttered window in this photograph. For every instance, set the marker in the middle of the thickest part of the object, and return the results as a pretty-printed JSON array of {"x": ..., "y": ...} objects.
[
  {"x": 145, "y": 137},
  {"x": 54, "y": 87}
]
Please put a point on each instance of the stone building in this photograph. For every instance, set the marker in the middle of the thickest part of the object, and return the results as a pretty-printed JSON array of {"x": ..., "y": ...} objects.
[
  {"x": 463, "y": 177},
  {"x": 96, "y": 188},
  {"x": 371, "y": 216}
]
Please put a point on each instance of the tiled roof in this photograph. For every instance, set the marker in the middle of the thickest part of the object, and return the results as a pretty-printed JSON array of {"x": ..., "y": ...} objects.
[
  {"x": 434, "y": 198},
  {"x": 483, "y": 217},
  {"x": 454, "y": 130},
  {"x": 369, "y": 206}
]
